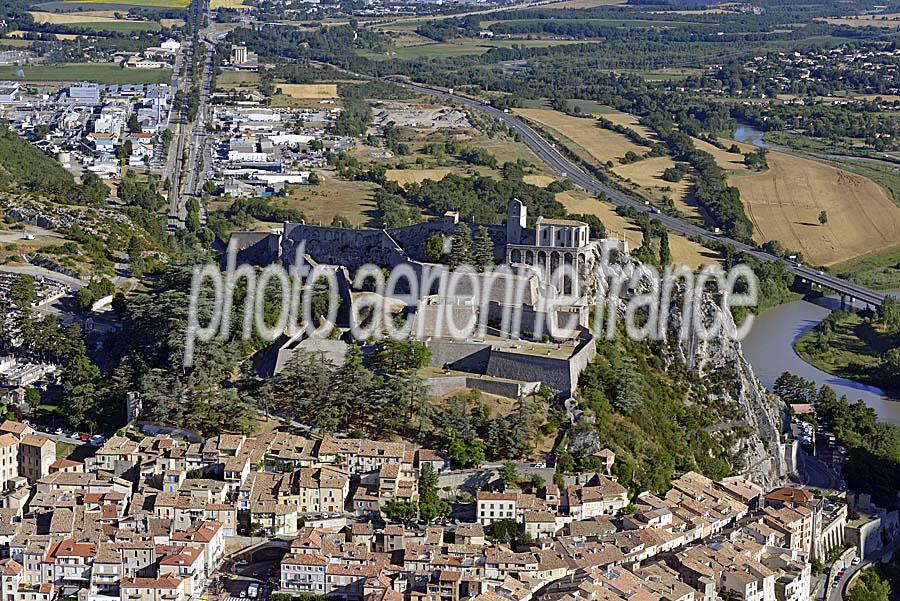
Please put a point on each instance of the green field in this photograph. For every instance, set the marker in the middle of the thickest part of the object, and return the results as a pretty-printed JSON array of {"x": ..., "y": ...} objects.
[
  {"x": 119, "y": 26},
  {"x": 148, "y": 3},
  {"x": 880, "y": 271},
  {"x": 95, "y": 72},
  {"x": 459, "y": 48}
]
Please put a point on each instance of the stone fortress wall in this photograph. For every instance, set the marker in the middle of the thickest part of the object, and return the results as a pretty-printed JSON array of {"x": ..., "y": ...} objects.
[{"x": 353, "y": 248}]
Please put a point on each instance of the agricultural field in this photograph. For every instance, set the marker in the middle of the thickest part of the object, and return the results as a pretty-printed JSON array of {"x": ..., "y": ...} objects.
[
  {"x": 684, "y": 251},
  {"x": 724, "y": 159},
  {"x": 462, "y": 47},
  {"x": 415, "y": 176},
  {"x": 353, "y": 199},
  {"x": 72, "y": 18},
  {"x": 648, "y": 175},
  {"x": 885, "y": 21},
  {"x": 631, "y": 122},
  {"x": 785, "y": 201},
  {"x": 600, "y": 143},
  {"x": 214, "y": 4},
  {"x": 95, "y": 72},
  {"x": 146, "y": 3},
  {"x": 586, "y": 3},
  {"x": 119, "y": 26},
  {"x": 315, "y": 91},
  {"x": 236, "y": 80}
]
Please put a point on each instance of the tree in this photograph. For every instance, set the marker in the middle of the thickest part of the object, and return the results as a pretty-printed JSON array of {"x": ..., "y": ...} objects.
[
  {"x": 823, "y": 217},
  {"x": 32, "y": 396},
  {"x": 508, "y": 473},
  {"x": 314, "y": 179},
  {"x": 484, "y": 249},
  {"x": 431, "y": 506},
  {"x": 665, "y": 254},
  {"x": 341, "y": 221},
  {"x": 396, "y": 356},
  {"x": 870, "y": 587},
  {"x": 434, "y": 247},
  {"x": 22, "y": 292},
  {"x": 890, "y": 313},
  {"x": 467, "y": 453},
  {"x": 400, "y": 511},
  {"x": 461, "y": 249},
  {"x": 507, "y": 532}
]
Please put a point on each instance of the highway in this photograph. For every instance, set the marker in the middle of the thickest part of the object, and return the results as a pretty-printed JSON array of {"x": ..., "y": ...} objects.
[
  {"x": 567, "y": 169},
  {"x": 190, "y": 136}
]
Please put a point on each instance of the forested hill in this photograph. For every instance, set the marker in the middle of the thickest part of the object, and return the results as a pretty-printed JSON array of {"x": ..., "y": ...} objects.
[{"x": 23, "y": 165}]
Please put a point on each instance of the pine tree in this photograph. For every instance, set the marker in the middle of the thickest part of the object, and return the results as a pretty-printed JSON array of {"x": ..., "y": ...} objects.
[
  {"x": 484, "y": 249},
  {"x": 461, "y": 251},
  {"x": 665, "y": 254}
]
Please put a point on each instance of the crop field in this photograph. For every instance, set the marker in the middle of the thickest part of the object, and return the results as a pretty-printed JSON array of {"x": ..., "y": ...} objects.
[
  {"x": 885, "y": 21},
  {"x": 602, "y": 144},
  {"x": 147, "y": 3},
  {"x": 316, "y": 91},
  {"x": 88, "y": 16},
  {"x": 684, "y": 251},
  {"x": 96, "y": 72},
  {"x": 785, "y": 201}
]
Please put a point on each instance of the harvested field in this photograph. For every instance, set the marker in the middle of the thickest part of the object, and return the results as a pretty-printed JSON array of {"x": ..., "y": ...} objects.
[
  {"x": 172, "y": 23},
  {"x": 684, "y": 251},
  {"x": 724, "y": 159},
  {"x": 539, "y": 180},
  {"x": 784, "y": 204},
  {"x": 600, "y": 143},
  {"x": 885, "y": 21},
  {"x": 631, "y": 122},
  {"x": 87, "y": 16},
  {"x": 214, "y": 4},
  {"x": 316, "y": 91},
  {"x": 648, "y": 174},
  {"x": 414, "y": 176},
  {"x": 233, "y": 80}
]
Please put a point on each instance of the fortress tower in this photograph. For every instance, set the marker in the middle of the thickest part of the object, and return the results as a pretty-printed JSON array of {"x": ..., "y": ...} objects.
[{"x": 516, "y": 219}]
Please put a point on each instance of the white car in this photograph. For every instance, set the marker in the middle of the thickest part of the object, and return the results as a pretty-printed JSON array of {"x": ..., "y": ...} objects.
[{"x": 856, "y": 561}]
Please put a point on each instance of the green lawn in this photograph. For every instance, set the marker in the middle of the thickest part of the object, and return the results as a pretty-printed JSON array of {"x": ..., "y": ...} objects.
[
  {"x": 95, "y": 72},
  {"x": 119, "y": 26}
]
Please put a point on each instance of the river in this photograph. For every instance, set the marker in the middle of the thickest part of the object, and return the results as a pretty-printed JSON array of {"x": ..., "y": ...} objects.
[
  {"x": 770, "y": 345},
  {"x": 770, "y": 350}
]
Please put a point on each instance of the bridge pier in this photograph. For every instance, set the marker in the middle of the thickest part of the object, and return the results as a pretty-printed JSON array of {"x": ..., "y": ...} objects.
[{"x": 843, "y": 300}]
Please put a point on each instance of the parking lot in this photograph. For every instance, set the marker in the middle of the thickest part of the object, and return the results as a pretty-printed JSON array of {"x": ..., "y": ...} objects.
[{"x": 234, "y": 584}]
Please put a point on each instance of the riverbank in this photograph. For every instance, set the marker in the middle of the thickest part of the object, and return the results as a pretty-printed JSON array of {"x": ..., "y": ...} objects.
[{"x": 849, "y": 346}]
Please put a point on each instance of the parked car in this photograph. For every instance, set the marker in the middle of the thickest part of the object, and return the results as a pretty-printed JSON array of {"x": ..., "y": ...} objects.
[{"x": 856, "y": 561}]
